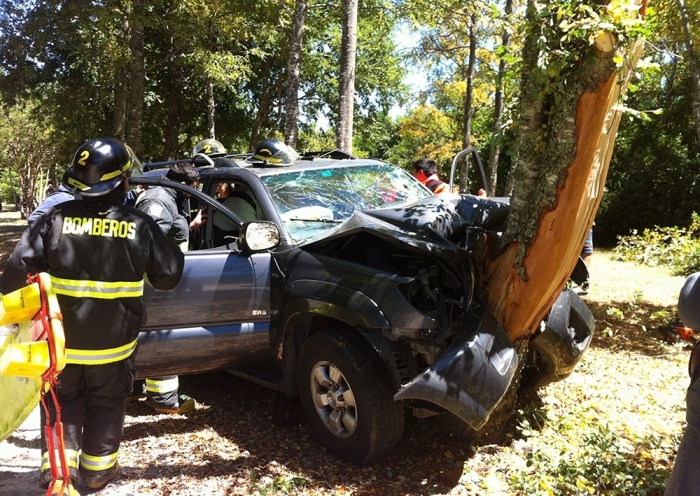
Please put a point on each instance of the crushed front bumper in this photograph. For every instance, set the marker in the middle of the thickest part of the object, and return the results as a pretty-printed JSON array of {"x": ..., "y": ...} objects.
[{"x": 472, "y": 376}]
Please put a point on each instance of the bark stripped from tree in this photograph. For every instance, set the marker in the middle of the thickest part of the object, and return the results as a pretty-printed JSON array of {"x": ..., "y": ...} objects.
[
  {"x": 557, "y": 191},
  {"x": 347, "y": 76}
]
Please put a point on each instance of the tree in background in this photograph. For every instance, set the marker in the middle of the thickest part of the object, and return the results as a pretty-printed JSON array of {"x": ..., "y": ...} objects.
[
  {"x": 692, "y": 64},
  {"x": 222, "y": 69},
  {"x": 346, "y": 81},
  {"x": 27, "y": 154},
  {"x": 294, "y": 70},
  {"x": 498, "y": 100},
  {"x": 653, "y": 175},
  {"x": 456, "y": 40}
]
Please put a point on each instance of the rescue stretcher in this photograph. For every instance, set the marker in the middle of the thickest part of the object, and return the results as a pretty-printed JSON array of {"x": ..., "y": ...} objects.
[{"x": 32, "y": 355}]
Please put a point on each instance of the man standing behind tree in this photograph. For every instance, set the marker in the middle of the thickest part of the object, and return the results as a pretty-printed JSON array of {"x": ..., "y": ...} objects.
[{"x": 425, "y": 170}]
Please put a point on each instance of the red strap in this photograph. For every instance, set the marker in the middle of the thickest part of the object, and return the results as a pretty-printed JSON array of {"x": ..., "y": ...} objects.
[{"x": 49, "y": 381}]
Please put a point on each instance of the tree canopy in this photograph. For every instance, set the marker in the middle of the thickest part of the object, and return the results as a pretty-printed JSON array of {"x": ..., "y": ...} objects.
[{"x": 163, "y": 74}]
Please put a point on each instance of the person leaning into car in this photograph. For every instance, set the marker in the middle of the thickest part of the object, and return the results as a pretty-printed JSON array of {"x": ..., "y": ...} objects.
[
  {"x": 97, "y": 252},
  {"x": 167, "y": 207}
]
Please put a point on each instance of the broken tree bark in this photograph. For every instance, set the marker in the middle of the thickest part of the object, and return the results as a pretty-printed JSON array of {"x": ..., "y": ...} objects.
[{"x": 550, "y": 218}]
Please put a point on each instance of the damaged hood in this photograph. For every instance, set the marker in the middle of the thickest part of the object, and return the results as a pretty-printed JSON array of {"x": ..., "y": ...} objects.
[{"x": 437, "y": 224}]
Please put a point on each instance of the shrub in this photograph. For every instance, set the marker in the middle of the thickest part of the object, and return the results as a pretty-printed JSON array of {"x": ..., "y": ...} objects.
[{"x": 675, "y": 247}]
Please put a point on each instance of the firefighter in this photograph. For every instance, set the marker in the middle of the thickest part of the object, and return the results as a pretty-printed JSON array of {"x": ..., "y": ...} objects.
[
  {"x": 97, "y": 252},
  {"x": 170, "y": 209}
]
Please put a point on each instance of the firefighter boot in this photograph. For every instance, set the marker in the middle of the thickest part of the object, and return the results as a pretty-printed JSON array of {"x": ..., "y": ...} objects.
[
  {"x": 96, "y": 482},
  {"x": 184, "y": 404}
]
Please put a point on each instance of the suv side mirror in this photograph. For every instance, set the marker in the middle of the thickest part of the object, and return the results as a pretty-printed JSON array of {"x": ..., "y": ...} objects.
[{"x": 259, "y": 236}]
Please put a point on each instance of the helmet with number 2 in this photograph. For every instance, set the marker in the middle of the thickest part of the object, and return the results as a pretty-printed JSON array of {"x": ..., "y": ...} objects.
[
  {"x": 99, "y": 166},
  {"x": 209, "y": 147}
]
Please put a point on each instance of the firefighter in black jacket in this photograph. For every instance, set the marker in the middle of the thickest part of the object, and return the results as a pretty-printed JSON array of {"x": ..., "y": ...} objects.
[{"x": 97, "y": 252}]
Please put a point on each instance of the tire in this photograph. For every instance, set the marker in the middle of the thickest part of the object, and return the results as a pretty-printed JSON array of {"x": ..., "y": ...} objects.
[{"x": 347, "y": 396}]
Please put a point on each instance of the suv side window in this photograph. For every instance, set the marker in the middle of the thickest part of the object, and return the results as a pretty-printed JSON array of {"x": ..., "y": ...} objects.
[{"x": 240, "y": 200}]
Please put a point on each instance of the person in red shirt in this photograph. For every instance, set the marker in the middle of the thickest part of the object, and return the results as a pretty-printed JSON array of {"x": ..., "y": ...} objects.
[{"x": 425, "y": 170}]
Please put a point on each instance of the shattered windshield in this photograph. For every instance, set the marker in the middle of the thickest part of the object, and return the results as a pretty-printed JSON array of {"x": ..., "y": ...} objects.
[{"x": 313, "y": 201}]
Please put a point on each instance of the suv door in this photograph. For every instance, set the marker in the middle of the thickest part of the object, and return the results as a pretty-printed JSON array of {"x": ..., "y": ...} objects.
[{"x": 217, "y": 317}]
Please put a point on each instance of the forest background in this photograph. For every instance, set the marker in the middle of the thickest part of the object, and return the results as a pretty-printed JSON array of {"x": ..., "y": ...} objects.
[{"x": 163, "y": 74}]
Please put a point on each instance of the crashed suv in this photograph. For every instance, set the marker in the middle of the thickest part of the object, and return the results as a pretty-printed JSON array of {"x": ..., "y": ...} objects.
[{"x": 353, "y": 287}]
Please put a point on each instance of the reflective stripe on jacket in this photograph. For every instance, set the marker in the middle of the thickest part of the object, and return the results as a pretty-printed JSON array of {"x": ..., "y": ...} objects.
[
  {"x": 97, "y": 289},
  {"x": 98, "y": 357}
]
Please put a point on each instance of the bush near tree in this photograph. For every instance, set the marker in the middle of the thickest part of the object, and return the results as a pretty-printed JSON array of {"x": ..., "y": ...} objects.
[{"x": 675, "y": 247}]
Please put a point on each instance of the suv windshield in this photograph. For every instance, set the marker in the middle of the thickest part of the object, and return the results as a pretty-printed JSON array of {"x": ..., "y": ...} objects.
[{"x": 312, "y": 201}]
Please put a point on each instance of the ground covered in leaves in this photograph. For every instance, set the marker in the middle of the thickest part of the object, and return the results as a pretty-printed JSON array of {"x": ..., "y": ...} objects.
[{"x": 611, "y": 428}]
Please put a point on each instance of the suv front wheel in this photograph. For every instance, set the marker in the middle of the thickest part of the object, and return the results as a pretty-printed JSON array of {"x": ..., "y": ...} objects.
[{"x": 347, "y": 396}]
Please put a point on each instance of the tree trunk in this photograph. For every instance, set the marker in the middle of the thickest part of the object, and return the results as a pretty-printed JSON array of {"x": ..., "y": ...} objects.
[
  {"x": 497, "y": 129},
  {"x": 347, "y": 76},
  {"x": 120, "y": 103},
  {"x": 670, "y": 84},
  {"x": 138, "y": 79},
  {"x": 558, "y": 189},
  {"x": 468, "y": 103},
  {"x": 211, "y": 110},
  {"x": 121, "y": 93},
  {"x": 693, "y": 65},
  {"x": 174, "y": 103},
  {"x": 293, "y": 68},
  {"x": 264, "y": 108},
  {"x": 211, "y": 100}
]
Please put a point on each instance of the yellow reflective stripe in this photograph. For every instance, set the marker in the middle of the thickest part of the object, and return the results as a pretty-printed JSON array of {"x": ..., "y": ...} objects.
[
  {"x": 116, "y": 173},
  {"x": 71, "y": 456},
  {"x": 162, "y": 385},
  {"x": 95, "y": 463},
  {"x": 97, "y": 289},
  {"x": 272, "y": 160},
  {"x": 98, "y": 357},
  {"x": 74, "y": 182}
]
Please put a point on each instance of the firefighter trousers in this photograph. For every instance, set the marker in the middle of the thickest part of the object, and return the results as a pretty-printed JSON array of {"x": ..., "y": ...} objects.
[{"x": 92, "y": 399}]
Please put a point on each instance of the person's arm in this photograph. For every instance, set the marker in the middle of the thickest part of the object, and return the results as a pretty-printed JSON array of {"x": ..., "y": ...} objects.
[
  {"x": 199, "y": 219},
  {"x": 166, "y": 262},
  {"x": 27, "y": 257}
]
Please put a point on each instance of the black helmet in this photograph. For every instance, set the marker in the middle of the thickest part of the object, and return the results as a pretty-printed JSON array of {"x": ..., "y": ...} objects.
[
  {"x": 209, "y": 147},
  {"x": 99, "y": 166},
  {"x": 272, "y": 151}
]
